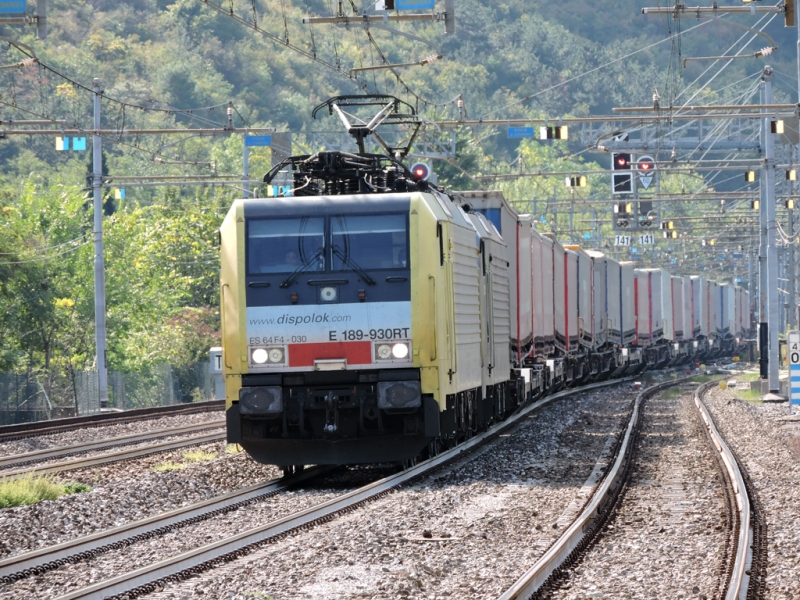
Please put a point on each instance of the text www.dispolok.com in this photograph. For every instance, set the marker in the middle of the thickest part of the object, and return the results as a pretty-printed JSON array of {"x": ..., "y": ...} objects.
[{"x": 302, "y": 320}]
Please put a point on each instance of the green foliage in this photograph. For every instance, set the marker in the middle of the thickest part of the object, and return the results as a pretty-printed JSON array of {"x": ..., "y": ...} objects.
[
  {"x": 513, "y": 59},
  {"x": 75, "y": 487},
  {"x": 28, "y": 490}
]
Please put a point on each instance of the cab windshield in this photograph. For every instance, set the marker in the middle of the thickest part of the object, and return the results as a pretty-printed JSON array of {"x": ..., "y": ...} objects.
[
  {"x": 354, "y": 243},
  {"x": 370, "y": 241},
  {"x": 284, "y": 245}
]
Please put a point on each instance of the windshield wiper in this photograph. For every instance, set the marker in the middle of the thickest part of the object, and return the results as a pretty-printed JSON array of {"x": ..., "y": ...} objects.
[
  {"x": 353, "y": 265},
  {"x": 293, "y": 277}
]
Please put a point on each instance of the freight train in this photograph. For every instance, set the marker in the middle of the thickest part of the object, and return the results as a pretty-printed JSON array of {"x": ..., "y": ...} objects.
[{"x": 374, "y": 317}]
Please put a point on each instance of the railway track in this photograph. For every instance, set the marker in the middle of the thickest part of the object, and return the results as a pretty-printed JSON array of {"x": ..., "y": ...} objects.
[
  {"x": 747, "y": 531},
  {"x": 183, "y": 566},
  {"x": 37, "y": 456},
  {"x": 25, "y": 430},
  {"x": 38, "y": 562},
  {"x": 118, "y": 455}
]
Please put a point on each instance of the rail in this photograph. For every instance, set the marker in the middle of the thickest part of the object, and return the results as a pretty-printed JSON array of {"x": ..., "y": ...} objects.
[
  {"x": 24, "y": 430},
  {"x": 188, "y": 564},
  {"x": 104, "y": 444},
  {"x": 576, "y": 538}
]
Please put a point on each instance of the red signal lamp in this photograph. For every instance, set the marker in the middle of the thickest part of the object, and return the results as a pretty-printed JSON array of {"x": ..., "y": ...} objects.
[{"x": 421, "y": 171}]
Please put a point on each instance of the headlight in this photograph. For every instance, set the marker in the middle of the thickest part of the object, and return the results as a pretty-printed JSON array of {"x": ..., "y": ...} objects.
[
  {"x": 384, "y": 351},
  {"x": 400, "y": 350},
  {"x": 259, "y": 356},
  {"x": 275, "y": 355}
]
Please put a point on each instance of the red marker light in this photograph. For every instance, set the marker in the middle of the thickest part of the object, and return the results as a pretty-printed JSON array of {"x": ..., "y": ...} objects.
[
  {"x": 621, "y": 162},
  {"x": 420, "y": 171}
]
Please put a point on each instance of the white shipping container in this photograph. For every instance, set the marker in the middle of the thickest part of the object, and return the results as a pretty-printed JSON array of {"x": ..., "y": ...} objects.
[
  {"x": 727, "y": 317},
  {"x": 599, "y": 331},
  {"x": 542, "y": 293},
  {"x": 699, "y": 311},
  {"x": 712, "y": 304},
  {"x": 667, "y": 317},
  {"x": 560, "y": 294},
  {"x": 627, "y": 309},
  {"x": 677, "y": 308},
  {"x": 650, "y": 327},
  {"x": 584, "y": 300},
  {"x": 688, "y": 299},
  {"x": 614, "y": 301}
]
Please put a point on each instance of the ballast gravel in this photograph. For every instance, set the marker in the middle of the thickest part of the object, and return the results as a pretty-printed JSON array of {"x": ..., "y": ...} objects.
[
  {"x": 126, "y": 492},
  {"x": 767, "y": 440},
  {"x": 69, "y": 577},
  {"x": 466, "y": 532},
  {"x": 668, "y": 538},
  {"x": 100, "y": 431}
]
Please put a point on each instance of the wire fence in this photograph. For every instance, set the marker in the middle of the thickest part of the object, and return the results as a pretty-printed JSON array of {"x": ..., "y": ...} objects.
[{"x": 29, "y": 397}]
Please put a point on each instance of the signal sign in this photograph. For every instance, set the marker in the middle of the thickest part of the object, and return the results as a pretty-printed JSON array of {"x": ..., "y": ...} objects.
[
  {"x": 13, "y": 6},
  {"x": 647, "y": 171},
  {"x": 793, "y": 341},
  {"x": 621, "y": 182},
  {"x": 622, "y": 240}
]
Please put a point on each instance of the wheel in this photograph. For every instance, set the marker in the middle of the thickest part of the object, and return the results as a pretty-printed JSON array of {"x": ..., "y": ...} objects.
[
  {"x": 287, "y": 470},
  {"x": 409, "y": 463},
  {"x": 433, "y": 448}
]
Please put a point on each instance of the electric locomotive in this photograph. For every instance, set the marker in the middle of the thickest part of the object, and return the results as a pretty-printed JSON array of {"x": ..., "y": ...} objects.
[
  {"x": 354, "y": 314},
  {"x": 372, "y": 317}
]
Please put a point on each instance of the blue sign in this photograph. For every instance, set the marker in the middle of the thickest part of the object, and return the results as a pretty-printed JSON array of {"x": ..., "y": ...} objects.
[
  {"x": 410, "y": 4},
  {"x": 793, "y": 347},
  {"x": 12, "y": 6},
  {"x": 738, "y": 255},
  {"x": 79, "y": 143},
  {"x": 634, "y": 250},
  {"x": 587, "y": 236},
  {"x": 520, "y": 132},
  {"x": 253, "y": 140},
  {"x": 543, "y": 219}
]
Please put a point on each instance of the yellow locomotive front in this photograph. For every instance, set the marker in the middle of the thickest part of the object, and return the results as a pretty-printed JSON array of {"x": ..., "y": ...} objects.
[{"x": 338, "y": 335}]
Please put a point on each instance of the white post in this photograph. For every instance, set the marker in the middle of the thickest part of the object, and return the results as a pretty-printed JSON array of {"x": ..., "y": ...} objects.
[
  {"x": 246, "y": 167},
  {"x": 99, "y": 263},
  {"x": 768, "y": 174}
]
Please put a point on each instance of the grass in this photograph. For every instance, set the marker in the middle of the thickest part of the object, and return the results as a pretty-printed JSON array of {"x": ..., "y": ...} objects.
[
  {"x": 189, "y": 457},
  {"x": 32, "y": 488},
  {"x": 233, "y": 449},
  {"x": 753, "y": 396},
  {"x": 747, "y": 377},
  {"x": 194, "y": 456},
  {"x": 167, "y": 466}
]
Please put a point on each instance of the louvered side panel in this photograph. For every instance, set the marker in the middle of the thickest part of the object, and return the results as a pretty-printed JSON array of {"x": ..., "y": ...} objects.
[{"x": 466, "y": 308}]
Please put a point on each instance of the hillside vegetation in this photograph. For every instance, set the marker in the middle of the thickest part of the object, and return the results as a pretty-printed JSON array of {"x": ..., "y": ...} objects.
[{"x": 572, "y": 57}]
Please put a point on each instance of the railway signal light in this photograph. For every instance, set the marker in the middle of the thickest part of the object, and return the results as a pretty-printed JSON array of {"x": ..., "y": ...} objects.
[
  {"x": 560, "y": 132},
  {"x": 621, "y": 182},
  {"x": 749, "y": 176},
  {"x": 421, "y": 171}
]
